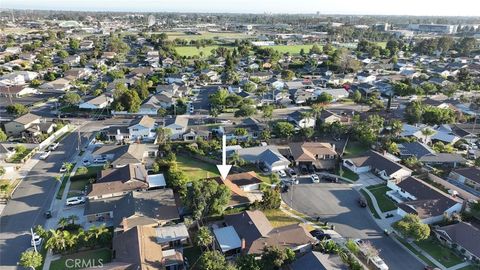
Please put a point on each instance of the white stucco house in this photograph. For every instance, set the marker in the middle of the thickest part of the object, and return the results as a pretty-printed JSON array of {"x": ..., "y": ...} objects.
[
  {"x": 379, "y": 164},
  {"x": 178, "y": 127},
  {"x": 96, "y": 103},
  {"x": 143, "y": 129}
]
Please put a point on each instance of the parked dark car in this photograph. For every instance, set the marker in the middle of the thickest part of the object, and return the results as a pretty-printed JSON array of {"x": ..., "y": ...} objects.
[
  {"x": 330, "y": 179},
  {"x": 320, "y": 235},
  {"x": 362, "y": 202},
  {"x": 304, "y": 169},
  {"x": 47, "y": 214},
  {"x": 285, "y": 188}
]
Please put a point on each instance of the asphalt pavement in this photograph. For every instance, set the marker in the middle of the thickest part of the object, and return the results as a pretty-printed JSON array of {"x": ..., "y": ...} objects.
[
  {"x": 32, "y": 198},
  {"x": 337, "y": 204}
]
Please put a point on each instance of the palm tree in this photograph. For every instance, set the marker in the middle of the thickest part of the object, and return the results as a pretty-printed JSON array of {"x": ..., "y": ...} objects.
[
  {"x": 60, "y": 241},
  {"x": 99, "y": 235},
  {"x": 397, "y": 127},
  {"x": 317, "y": 109},
  {"x": 63, "y": 222},
  {"x": 427, "y": 132}
]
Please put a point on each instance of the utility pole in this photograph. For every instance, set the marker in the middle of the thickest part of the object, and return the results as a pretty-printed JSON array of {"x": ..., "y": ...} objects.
[{"x": 33, "y": 241}]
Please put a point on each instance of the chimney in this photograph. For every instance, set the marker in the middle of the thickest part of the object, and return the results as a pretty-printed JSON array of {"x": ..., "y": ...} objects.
[{"x": 242, "y": 245}]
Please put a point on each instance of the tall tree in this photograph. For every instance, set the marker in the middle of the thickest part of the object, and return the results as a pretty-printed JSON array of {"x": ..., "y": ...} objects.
[
  {"x": 31, "y": 259},
  {"x": 204, "y": 237}
]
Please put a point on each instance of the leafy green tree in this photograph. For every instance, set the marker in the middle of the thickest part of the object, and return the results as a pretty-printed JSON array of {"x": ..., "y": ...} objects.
[
  {"x": 265, "y": 135},
  {"x": 3, "y": 136},
  {"x": 325, "y": 97},
  {"x": 68, "y": 166},
  {"x": 267, "y": 111},
  {"x": 287, "y": 74},
  {"x": 284, "y": 129},
  {"x": 411, "y": 226},
  {"x": 31, "y": 259},
  {"x": 357, "y": 96},
  {"x": 248, "y": 262},
  {"x": 249, "y": 87},
  {"x": 271, "y": 199},
  {"x": 214, "y": 260},
  {"x": 74, "y": 44},
  {"x": 245, "y": 111},
  {"x": 205, "y": 198},
  {"x": 274, "y": 257},
  {"x": 62, "y": 54},
  {"x": 204, "y": 237},
  {"x": 17, "y": 109},
  {"x": 71, "y": 98}
]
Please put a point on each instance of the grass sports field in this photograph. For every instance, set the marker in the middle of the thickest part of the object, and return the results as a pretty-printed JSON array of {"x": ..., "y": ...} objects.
[{"x": 291, "y": 49}]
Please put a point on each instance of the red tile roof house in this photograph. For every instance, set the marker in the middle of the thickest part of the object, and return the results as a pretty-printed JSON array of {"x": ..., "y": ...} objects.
[
  {"x": 381, "y": 165},
  {"x": 461, "y": 236},
  {"x": 415, "y": 196}
]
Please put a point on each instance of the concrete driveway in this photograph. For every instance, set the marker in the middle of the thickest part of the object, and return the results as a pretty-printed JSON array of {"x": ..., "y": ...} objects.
[{"x": 337, "y": 204}]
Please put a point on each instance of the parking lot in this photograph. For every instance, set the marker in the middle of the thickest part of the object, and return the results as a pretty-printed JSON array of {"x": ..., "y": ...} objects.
[{"x": 337, "y": 203}]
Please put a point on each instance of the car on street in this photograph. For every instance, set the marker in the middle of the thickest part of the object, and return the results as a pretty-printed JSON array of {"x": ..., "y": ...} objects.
[
  {"x": 292, "y": 173},
  {"x": 100, "y": 160},
  {"x": 75, "y": 200},
  {"x": 315, "y": 178},
  {"x": 285, "y": 188},
  {"x": 63, "y": 169},
  {"x": 53, "y": 146},
  {"x": 86, "y": 162},
  {"x": 282, "y": 173},
  {"x": 330, "y": 178},
  {"x": 47, "y": 214},
  {"x": 362, "y": 202},
  {"x": 375, "y": 260},
  {"x": 44, "y": 155},
  {"x": 36, "y": 240}
]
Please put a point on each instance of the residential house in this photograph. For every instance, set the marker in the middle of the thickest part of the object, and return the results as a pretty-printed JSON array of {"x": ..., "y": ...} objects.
[
  {"x": 469, "y": 176},
  {"x": 301, "y": 119},
  {"x": 382, "y": 165},
  {"x": 238, "y": 197},
  {"x": 60, "y": 84},
  {"x": 319, "y": 155},
  {"x": 148, "y": 208},
  {"x": 194, "y": 134},
  {"x": 16, "y": 91},
  {"x": 462, "y": 236},
  {"x": 337, "y": 93},
  {"x": 100, "y": 102},
  {"x": 119, "y": 181},
  {"x": 176, "y": 78},
  {"x": 122, "y": 155},
  {"x": 21, "y": 124},
  {"x": 18, "y": 77},
  {"x": 142, "y": 129},
  {"x": 251, "y": 125},
  {"x": 414, "y": 149},
  {"x": 267, "y": 156},
  {"x": 77, "y": 73},
  {"x": 417, "y": 197},
  {"x": 255, "y": 232},
  {"x": 443, "y": 159},
  {"x": 247, "y": 181},
  {"x": 319, "y": 261},
  {"x": 178, "y": 127},
  {"x": 329, "y": 117}
]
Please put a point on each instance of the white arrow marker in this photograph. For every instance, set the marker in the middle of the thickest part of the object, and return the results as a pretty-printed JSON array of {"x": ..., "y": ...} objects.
[{"x": 224, "y": 169}]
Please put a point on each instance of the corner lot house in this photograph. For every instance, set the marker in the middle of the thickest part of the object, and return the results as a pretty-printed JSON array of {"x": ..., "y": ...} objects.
[
  {"x": 267, "y": 156},
  {"x": 379, "y": 164},
  {"x": 415, "y": 196},
  {"x": 21, "y": 123},
  {"x": 469, "y": 176},
  {"x": 462, "y": 236}
]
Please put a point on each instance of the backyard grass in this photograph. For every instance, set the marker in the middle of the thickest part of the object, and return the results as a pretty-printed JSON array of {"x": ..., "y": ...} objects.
[
  {"x": 79, "y": 181},
  {"x": 279, "y": 219},
  {"x": 96, "y": 258},
  {"x": 291, "y": 49},
  {"x": 384, "y": 202},
  {"x": 441, "y": 253},
  {"x": 345, "y": 172},
  {"x": 192, "y": 50},
  {"x": 195, "y": 169},
  {"x": 416, "y": 252},
  {"x": 370, "y": 204},
  {"x": 354, "y": 149}
]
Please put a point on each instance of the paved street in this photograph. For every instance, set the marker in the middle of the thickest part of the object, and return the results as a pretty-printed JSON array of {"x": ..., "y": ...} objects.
[
  {"x": 337, "y": 204},
  {"x": 32, "y": 198}
]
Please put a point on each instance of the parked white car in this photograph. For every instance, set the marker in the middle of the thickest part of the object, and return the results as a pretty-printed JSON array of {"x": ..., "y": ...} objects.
[
  {"x": 282, "y": 173},
  {"x": 379, "y": 263},
  {"x": 36, "y": 240},
  {"x": 75, "y": 200},
  {"x": 100, "y": 160},
  {"x": 63, "y": 169},
  {"x": 315, "y": 178},
  {"x": 45, "y": 154}
]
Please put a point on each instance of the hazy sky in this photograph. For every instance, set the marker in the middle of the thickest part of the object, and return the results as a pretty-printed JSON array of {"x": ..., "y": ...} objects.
[{"x": 390, "y": 7}]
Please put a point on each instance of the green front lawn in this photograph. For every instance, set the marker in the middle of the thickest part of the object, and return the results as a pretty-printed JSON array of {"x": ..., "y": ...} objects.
[
  {"x": 370, "y": 204},
  {"x": 95, "y": 258},
  {"x": 416, "y": 252},
  {"x": 384, "y": 202},
  {"x": 355, "y": 149},
  {"x": 347, "y": 173},
  {"x": 441, "y": 253},
  {"x": 196, "y": 169},
  {"x": 291, "y": 49}
]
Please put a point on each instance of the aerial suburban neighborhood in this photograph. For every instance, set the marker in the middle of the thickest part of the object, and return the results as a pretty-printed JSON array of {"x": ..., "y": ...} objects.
[{"x": 140, "y": 140}]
